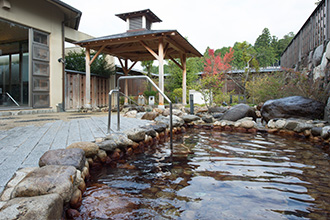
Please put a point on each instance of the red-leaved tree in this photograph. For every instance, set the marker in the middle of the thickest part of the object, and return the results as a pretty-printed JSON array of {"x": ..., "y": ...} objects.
[{"x": 212, "y": 79}]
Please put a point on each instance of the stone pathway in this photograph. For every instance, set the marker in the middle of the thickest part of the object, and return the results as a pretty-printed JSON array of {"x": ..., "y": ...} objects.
[{"x": 23, "y": 146}]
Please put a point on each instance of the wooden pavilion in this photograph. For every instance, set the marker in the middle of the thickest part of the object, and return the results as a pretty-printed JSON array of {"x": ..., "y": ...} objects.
[{"x": 140, "y": 43}]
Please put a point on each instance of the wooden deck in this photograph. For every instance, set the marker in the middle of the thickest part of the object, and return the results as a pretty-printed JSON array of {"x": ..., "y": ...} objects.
[{"x": 23, "y": 146}]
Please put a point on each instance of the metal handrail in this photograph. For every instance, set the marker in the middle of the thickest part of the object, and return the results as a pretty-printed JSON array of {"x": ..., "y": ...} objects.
[
  {"x": 12, "y": 99},
  {"x": 118, "y": 107},
  {"x": 128, "y": 98}
]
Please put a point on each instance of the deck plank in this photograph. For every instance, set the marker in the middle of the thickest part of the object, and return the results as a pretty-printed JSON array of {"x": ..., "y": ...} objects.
[
  {"x": 61, "y": 138},
  {"x": 95, "y": 129},
  {"x": 85, "y": 131},
  {"x": 74, "y": 134}
]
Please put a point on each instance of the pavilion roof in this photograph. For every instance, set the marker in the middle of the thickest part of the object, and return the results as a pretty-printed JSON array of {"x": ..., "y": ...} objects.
[{"x": 132, "y": 44}]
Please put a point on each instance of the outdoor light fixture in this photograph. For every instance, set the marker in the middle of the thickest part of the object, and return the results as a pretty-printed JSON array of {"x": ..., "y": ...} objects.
[{"x": 61, "y": 60}]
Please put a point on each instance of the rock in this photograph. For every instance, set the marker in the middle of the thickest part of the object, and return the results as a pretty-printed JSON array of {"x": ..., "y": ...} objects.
[
  {"x": 238, "y": 112},
  {"x": 149, "y": 130},
  {"x": 158, "y": 110},
  {"x": 292, "y": 107},
  {"x": 190, "y": 118},
  {"x": 139, "y": 115},
  {"x": 317, "y": 56},
  {"x": 136, "y": 134},
  {"x": 327, "y": 109},
  {"x": 114, "y": 141},
  {"x": 131, "y": 114},
  {"x": 150, "y": 116},
  {"x": 102, "y": 155},
  {"x": 176, "y": 112},
  {"x": 303, "y": 126},
  {"x": 91, "y": 149},
  {"x": 291, "y": 125},
  {"x": 158, "y": 127},
  {"x": 316, "y": 131},
  {"x": 248, "y": 124},
  {"x": 47, "y": 180},
  {"x": 76, "y": 199},
  {"x": 325, "y": 132},
  {"x": 217, "y": 109},
  {"x": 38, "y": 207},
  {"x": 202, "y": 110},
  {"x": 136, "y": 108},
  {"x": 176, "y": 122},
  {"x": 65, "y": 157},
  {"x": 271, "y": 124},
  {"x": 207, "y": 119},
  {"x": 280, "y": 124},
  {"x": 217, "y": 115}
]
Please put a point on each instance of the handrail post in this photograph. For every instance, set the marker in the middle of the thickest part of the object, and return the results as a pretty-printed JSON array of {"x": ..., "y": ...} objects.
[
  {"x": 118, "y": 110},
  {"x": 109, "y": 113},
  {"x": 171, "y": 128},
  {"x": 118, "y": 107}
]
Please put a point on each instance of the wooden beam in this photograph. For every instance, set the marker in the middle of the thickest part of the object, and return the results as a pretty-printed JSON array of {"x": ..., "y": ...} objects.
[
  {"x": 97, "y": 54},
  {"x": 166, "y": 50},
  {"x": 178, "y": 64},
  {"x": 121, "y": 40},
  {"x": 175, "y": 44},
  {"x": 184, "y": 78},
  {"x": 149, "y": 49},
  {"x": 161, "y": 70},
  {"x": 132, "y": 66},
  {"x": 88, "y": 79}
]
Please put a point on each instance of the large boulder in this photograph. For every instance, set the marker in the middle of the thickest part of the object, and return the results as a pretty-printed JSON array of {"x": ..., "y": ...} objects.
[
  {"x": 64, "y": 157},
  {"x": 47, "y": 180},
  {"x": 292, "y": 107},
  {"x": 40, "y": 207},
  {"x": 238, "y": 112}
]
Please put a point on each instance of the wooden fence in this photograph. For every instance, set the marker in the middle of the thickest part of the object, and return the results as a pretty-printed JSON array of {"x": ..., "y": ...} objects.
[
  {"x": 313, "y": 33},
  {"x": 75, "y": 90}
]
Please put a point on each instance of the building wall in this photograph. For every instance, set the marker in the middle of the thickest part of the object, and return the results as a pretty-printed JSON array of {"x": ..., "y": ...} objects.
[
  {"x": 310, "y": 42},
  {"x": 44, "y": 16}
]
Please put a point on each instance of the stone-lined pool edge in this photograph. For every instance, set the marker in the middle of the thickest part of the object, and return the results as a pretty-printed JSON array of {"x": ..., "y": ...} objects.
[{"x": 20, "y": 197}]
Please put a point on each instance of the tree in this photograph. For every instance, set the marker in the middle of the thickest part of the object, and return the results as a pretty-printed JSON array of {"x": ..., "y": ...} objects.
[
  {"x": 76, "y": 61},
  {"x": 266, "y": 53},
  {"x": 147, "y": 66},
  {"x": 212, "y": 79},
  {"x": 174, "y": 81}
]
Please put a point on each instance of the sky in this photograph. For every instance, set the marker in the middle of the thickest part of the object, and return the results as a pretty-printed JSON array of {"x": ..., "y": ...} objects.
[{"x": 206, "y": 23}]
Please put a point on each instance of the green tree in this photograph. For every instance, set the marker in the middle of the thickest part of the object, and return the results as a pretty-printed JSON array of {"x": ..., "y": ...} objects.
[
  {"x": 265, "y": 51},
  {"x": 174, "y": 81},
  {"x": 147, "y": 66},
  {"x": 76, "y": 61}
]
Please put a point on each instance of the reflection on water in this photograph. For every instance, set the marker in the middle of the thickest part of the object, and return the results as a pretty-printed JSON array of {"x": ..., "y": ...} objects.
[{"x": 216, "y": 175}]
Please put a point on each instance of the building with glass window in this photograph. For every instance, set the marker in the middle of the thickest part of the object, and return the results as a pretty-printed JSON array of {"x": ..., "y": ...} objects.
[{"x": 32, "y": 38}]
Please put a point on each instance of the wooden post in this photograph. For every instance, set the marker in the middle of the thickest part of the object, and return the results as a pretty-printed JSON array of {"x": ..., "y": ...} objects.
[
  {"x": 88, "y": 80},
  {"x": 184, "y": 78},
  {"x": 126, "y": 86},
  {"x": 161, "y": 71}
]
